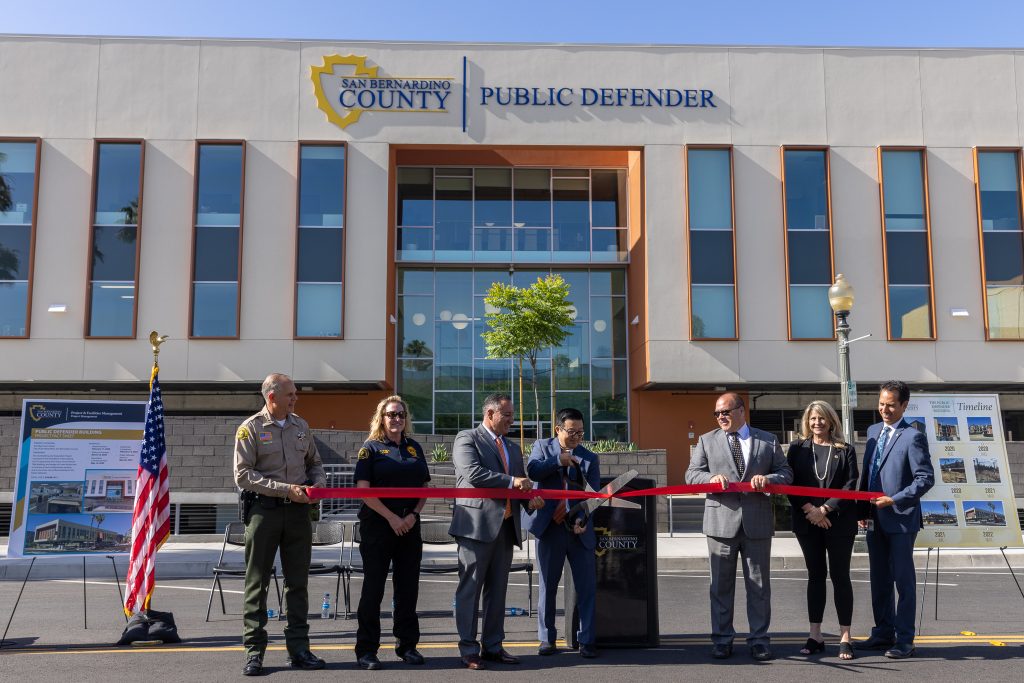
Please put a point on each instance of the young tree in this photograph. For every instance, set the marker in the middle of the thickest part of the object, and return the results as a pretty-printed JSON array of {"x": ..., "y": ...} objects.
[{"x": 524, "y": 321}]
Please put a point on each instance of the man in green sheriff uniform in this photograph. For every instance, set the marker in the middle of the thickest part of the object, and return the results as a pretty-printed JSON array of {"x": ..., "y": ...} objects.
[{"x": 275, "y": 458}]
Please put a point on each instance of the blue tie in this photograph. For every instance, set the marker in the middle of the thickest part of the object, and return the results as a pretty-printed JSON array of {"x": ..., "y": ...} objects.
[{"x": 876, "y": 464}]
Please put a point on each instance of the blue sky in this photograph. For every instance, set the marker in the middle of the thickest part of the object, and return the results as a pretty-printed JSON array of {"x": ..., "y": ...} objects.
[{"x": 898, "y": 23}]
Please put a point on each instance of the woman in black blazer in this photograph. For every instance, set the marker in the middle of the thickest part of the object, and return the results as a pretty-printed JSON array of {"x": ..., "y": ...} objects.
[{"x": 825, "y": 527}]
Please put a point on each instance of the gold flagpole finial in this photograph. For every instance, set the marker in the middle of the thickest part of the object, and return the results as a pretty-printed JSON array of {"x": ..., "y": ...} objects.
[{"x": 156, "y": 340}]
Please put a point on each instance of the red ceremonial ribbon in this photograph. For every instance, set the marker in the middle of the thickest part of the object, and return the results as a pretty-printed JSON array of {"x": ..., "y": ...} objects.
[{"x": 562, "y": 494}]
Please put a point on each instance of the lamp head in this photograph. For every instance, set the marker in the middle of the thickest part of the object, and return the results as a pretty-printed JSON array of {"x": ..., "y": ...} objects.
[{"x": 840, "y": 295}]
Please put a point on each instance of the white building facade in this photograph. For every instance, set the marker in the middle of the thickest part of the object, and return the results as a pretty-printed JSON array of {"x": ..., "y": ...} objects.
[{"x": 337, "y": 211}]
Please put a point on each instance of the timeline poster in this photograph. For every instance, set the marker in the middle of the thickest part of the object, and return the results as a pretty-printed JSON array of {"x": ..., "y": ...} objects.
[
  {"x": 972, "y": 504},
  {"x": 75, "y": 484}
]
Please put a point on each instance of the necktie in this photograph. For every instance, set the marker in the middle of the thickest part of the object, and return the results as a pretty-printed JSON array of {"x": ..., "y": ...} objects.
[
  {"x": 876, "y": 464},
  {"x": 504, "y": 464},
  {"x": 737, "y": 452},
  {"x": 563, "y": 509}
]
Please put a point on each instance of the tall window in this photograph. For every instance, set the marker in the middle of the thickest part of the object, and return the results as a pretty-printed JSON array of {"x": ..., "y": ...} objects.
[
  {"x": 712, "y": 246},
  {"x": 117, "y": 215},
  {"x": 808, "y": 222},
  {"x": 217, "y": 246},
  {"x": 320, "y": 266},
  {"x": 1002, "y": 247},
  {"x": 19, "y": 165},
  {"x": 907, "y": 243},
  {"x": 512, "y": 214},
  {"x": 444, "y": 372}
]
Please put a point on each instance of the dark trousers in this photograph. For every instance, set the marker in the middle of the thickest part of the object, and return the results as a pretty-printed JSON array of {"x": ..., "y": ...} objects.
[
  {"x": 556, "y": 545},
  {"x": 824, "y": 553},
  {"x": 483, "y": 572},
  {"x": 381, "y": 548},
  {"x": 891, "y": 559},
  {"x": 285, "y": 528}
]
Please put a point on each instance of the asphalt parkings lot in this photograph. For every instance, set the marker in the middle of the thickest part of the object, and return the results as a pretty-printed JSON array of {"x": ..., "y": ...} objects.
[{"x": 978, "y": 635}]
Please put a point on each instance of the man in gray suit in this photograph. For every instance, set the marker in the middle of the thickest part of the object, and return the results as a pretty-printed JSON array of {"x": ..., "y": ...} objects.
[
  {"x": 739, "y": 524},
  {"x": 485, "y": 530}
]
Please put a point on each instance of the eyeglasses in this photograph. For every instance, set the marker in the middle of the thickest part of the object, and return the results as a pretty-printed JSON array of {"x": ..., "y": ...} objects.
[
  {"x": 723, "y": 413},
  {"x": 392, "y": 413},
  {"x": 573, "y": 433}
]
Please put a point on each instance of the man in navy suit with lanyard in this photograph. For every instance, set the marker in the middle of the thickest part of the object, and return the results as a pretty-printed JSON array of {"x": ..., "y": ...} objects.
[
  {"x": 896, "y": 463},
  {"x": 562, "y": 463}
]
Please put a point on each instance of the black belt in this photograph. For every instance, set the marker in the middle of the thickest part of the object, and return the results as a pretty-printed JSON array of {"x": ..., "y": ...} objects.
[{"x": 274, "y": 501}]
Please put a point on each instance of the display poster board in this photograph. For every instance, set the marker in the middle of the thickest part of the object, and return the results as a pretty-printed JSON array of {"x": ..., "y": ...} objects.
[
  {"x": 75, "y": 485},
  {"x": 972, "y": 504}
]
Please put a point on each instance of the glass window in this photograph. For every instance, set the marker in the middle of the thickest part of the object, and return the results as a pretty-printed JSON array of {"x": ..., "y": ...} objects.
[
  {"x": 712, "y": 252},
  {"x": 609, "y": 198},
  {"x": 713, "y": 310},
  {"x": 493, "y": 196},
  {"x": 112, "y": 273},
  {"x": 806, "y": 189},
  {"x": 999, "y": 190},
  {"x": 532, "y": 198},
  {"x": 17, "y": 182},
  {"x": 709, "y": 178},
  {"x": 322, "y": 185},
  {"x": 903, "y": 190},
  {"x": 15, "y": 252},
  {"x": 13, "y": 307},
  {"x": 810, "y": 313},
  {"x": 320, "y": 253},
  {"x": 453, "y": 219},
  {"x": 808, "y": 242},
  {"x": 218, "y": 228},
  {"x": 442, "y": 366},
  {"x": 908, "y": 266},
  {"x": 571, "y": 217},
  {"x": 1002, "y": 241},
  {"x": 416, "y": 197}
]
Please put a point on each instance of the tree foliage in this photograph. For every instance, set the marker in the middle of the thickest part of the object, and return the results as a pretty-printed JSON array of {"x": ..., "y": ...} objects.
[{"x": 523, "y": 321}]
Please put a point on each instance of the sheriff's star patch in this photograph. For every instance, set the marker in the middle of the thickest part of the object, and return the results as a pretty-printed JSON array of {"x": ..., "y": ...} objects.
[
  {"x": 364, "y": 453},
  {"x": 242, "y": 434}
]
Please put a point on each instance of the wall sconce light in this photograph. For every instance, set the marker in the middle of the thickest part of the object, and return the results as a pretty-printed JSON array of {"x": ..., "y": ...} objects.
[
  {"x": 960, "y": 313},
  {"x": 57, "y": 308}
]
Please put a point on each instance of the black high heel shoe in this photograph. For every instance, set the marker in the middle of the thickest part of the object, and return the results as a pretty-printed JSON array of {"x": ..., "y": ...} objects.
[{"x": 813, "y": 647}]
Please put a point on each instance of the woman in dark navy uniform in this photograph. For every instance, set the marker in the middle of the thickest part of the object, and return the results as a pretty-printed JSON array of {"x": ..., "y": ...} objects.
[{"x": 390, "y": 532}]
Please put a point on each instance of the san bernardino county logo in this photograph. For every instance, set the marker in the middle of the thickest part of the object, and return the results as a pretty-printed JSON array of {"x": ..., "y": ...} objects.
[
  {"x": 38, "y": 411},
  {"x": 346, "y": 87},
  {"x": 607, "y": 540}
]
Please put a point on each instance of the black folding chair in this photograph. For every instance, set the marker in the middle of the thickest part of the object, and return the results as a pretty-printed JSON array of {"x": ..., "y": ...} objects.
[
  {"x": 330, "y": 532},
  {"x": 234, "y": 535}
]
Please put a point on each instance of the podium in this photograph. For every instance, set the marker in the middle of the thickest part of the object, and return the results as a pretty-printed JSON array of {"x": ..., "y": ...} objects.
[{"x": 626, "y": 614}]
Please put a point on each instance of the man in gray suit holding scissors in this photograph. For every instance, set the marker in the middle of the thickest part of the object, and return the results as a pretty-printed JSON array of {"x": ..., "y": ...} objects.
[
  {"x": 739, "y": 524},
  {"x": 485, "y": 530}
]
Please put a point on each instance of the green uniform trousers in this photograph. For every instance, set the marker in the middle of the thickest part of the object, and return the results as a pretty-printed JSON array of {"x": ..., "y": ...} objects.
[{"x": 285, "y": 527}]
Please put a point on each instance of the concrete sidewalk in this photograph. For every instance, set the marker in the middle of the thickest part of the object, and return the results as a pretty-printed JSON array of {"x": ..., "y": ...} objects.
[{"x": 191, "y": 557}]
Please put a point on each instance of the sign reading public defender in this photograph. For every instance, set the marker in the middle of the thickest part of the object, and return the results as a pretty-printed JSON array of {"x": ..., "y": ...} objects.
[
  {"x": 972, "y": 504},
  {"x": 75, "y": 483}
]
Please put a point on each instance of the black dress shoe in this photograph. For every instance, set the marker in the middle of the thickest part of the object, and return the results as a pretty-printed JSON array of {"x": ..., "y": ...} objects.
[
  {"x": 501, "y": 656},
  {"x": 874, "y": 643},
  {"x": 900, "y": 651},
  {"x": 368, "y": 662},
  {"x": 253, "y": 666},
  {"x": 473, "y": 662},
  {"x": 306, "y": 660},
  {"x": 761, "y": 653},
  {"x": 547, "y": 649},
  {"x": 411, "y": 656},
  {"x": 722, "y": 651},
  {"x": 588, "y": 651}
]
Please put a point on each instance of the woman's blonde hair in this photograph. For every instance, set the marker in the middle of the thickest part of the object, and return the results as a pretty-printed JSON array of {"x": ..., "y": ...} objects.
[
  {"x": 829, "y": 413},
  {"x": 377, "y": 430}
]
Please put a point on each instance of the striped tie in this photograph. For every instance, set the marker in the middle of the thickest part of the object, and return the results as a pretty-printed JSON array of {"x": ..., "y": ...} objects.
[
  {"x": 876, "y": 464},
  {"x": 737, "y": 452}
]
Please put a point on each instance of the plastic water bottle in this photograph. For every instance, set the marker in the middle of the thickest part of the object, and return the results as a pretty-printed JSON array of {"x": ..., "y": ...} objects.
[
  {"x": 325, "y": 609},
  {"x": 271, "y": 613},
  {"x": 515, "y": 612}
]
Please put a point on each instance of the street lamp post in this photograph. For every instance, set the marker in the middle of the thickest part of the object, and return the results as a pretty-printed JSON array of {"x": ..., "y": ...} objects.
[{"x": 840, "y": 298}]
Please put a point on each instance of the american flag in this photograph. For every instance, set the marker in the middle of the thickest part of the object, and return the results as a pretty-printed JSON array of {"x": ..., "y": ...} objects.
[{"x": 151, "y": 516}]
